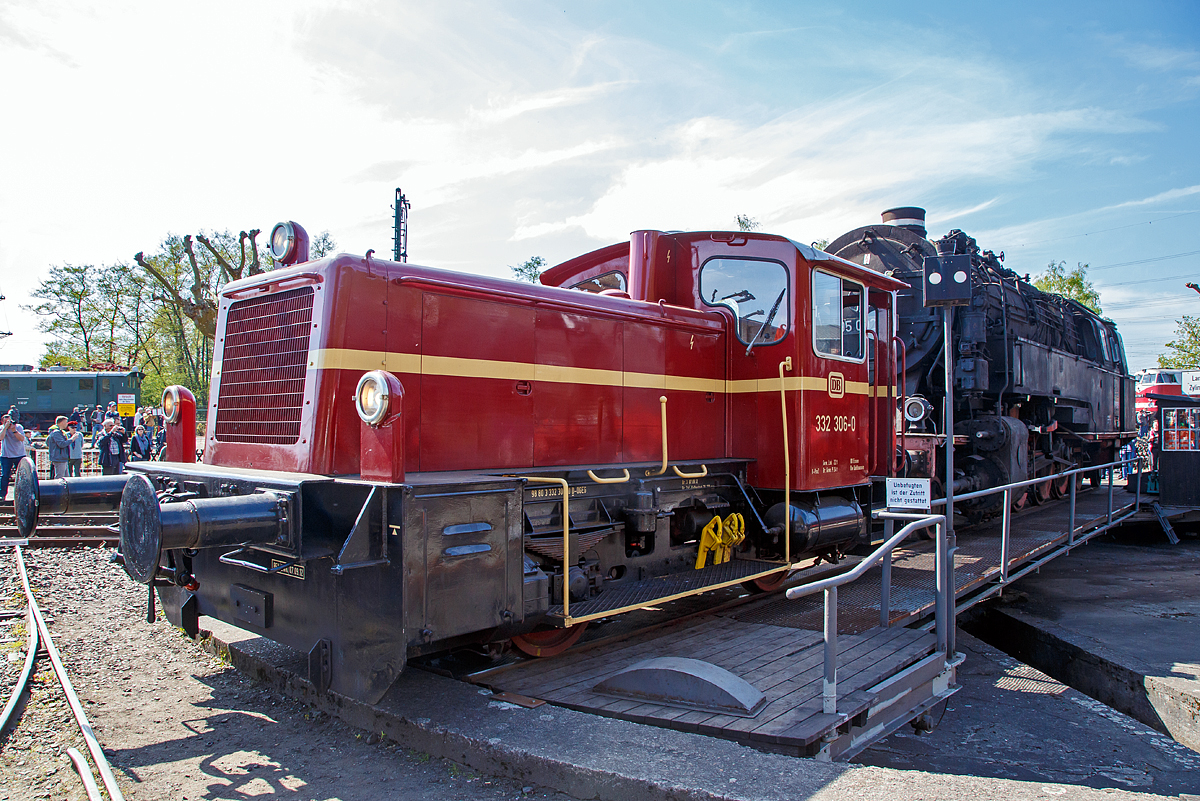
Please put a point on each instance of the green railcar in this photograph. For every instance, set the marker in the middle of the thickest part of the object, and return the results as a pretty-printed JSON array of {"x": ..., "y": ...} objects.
[{"x": 41, "y": 395}]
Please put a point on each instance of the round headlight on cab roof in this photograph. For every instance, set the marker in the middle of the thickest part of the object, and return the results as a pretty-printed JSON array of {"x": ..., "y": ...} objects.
[
  {"x": 372, "y": 397},
  {"x": 170, "y": 404},
  {"x": 283, "y": 241}
]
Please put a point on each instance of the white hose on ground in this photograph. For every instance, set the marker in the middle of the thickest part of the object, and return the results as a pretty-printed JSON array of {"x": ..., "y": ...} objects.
[{"x": 85, "y": 774}]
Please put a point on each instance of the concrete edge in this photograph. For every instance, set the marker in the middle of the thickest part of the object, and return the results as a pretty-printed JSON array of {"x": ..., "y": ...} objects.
[{"x": 1121, "y": 683}]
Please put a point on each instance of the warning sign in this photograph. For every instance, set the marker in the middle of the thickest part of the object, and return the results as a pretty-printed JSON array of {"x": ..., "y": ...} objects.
[
  {"x": 126, "y": 404},
  {"x": 908, "y": 493}
]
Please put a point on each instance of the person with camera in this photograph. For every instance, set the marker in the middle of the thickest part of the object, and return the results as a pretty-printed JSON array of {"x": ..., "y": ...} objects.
[
  {"x": 112, "y": 448},
  {"x": 12, "y": 450},
  {"x": 58, "y": 447}
]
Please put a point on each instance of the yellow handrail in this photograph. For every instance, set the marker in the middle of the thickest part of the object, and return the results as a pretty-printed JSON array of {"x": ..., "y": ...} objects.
[
  {"x": 787, "y": 466},
  {"x": 663, "y": 406},
  {"x": 703, "y": 468},
  {"x": 618, "y": 480},
  {"x": 566, "y": 490}
]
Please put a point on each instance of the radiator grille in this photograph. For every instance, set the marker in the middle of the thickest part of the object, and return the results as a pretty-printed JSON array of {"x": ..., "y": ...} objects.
[{"x": 263, "y": 367}]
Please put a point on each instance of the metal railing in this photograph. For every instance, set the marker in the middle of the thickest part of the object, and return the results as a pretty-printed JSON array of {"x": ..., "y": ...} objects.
[
  {"x": 1076, "y": 535},
  {"x": 945, "y": 635},
  {"x": 945, "y": 595}
]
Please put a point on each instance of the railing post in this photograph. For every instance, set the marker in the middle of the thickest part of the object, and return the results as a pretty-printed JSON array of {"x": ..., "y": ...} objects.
[
  {"x": 1137, "y": 493},
  {"x": 829, "y": 687},
  {"x": 885, "y": 579},
  {"x": 940, "y": 606},
  {"x": 1071, "y": 511},
  {"x": 1004, "y": 527},
  {"x": 1110, "y": 493}
]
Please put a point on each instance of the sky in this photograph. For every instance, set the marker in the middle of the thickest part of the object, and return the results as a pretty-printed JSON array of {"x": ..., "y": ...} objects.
[{"x": 1049, "y": 131}]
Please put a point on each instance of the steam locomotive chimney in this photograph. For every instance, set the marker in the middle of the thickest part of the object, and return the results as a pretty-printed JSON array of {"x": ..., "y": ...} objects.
[{"x": 911, "y": 218}]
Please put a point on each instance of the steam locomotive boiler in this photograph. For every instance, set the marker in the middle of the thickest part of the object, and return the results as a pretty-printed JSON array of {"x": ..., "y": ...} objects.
[
  {"x": 401, "y": 460},
  {"x": 1040, "y": 381}
]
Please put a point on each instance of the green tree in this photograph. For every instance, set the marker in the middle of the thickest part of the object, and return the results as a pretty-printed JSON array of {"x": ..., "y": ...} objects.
[
  {"x": 68, "y": 311},
  {"x": 160, "y": 316},
  {"x": 529, "y": 270},
  {"x": 1071, "y": 284},
  {"x": 321, "y": 246},
  {"x": 747, "y": 223},
  {"x": 1184, "y": 349}
]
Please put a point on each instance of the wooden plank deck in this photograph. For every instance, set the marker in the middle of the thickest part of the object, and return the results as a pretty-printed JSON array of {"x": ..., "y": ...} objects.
[{"x": 785, "y": 664}]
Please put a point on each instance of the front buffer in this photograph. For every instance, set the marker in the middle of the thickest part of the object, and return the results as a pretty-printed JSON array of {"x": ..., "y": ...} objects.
[{"x": 320, "y": 564}]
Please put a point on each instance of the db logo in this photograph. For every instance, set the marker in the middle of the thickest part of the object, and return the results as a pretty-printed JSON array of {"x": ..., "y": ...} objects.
[{"x": 837, "y": 385}]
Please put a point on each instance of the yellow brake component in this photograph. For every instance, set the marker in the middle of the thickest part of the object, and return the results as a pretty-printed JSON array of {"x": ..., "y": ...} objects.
[
  {"x": 733, "y": 531},
  {"x": 710, "y": 540}
]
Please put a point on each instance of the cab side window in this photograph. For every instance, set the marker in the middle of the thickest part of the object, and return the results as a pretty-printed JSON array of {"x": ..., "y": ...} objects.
[
  {"x": 837, "y": 317},
  {"x": 754, "y": 290}
]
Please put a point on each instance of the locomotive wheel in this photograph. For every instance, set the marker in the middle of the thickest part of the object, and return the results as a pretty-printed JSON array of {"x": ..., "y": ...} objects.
[
  {"x": 548, "y": 641},
  {"x": 1021, "y": 500},
  {"x": 1061, "y": 487},
  {"x": 1043, "y": 492},
  {"x": 759, "y": 586}
]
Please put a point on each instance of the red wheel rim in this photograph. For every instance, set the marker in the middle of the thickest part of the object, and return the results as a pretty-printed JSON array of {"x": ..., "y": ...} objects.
[
  {"x": 548, "y": 642},
  {"x": 1061, "y": 487},
  {"x": 1021, "y": 500},
  {"x": 767, "y": 583},
  {"x": 1043, "y": 491}
]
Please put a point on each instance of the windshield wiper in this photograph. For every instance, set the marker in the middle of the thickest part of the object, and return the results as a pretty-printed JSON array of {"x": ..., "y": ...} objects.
[{"x": 767, "y": 322}]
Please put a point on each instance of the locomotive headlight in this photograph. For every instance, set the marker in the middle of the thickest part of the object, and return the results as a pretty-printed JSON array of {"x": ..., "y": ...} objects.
[
  {"x": 170, "y": 404},
  {"x": 283, "y": 240},
  {"x": 917, "y": 409},
  {"x": 372, "y": 397}
]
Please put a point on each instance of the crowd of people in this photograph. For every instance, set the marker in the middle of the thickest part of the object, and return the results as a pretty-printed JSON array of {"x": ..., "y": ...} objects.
[{"x": 117, "y": 440}]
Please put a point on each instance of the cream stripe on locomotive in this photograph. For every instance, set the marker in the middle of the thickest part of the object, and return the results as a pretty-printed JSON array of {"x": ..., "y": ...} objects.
[{"x": 455, "y": 367}]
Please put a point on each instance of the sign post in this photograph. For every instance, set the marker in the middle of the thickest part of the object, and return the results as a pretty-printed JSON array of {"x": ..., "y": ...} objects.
[{"x": 947, "y": 283}]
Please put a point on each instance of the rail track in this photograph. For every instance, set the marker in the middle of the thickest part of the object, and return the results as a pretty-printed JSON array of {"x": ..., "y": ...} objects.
[
  {"x": 40, "y": 643},
  {"x": 93, "y": 530}
]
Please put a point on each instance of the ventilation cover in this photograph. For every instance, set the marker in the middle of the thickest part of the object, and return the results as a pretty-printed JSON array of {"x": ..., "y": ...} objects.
[{"x": 263, "y": 366}]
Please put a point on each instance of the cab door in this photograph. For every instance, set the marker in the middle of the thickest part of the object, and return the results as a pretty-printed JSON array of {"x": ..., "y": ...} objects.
[{"x": 755, "y": 290}]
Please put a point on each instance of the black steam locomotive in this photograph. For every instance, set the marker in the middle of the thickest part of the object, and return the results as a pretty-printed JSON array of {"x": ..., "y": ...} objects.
[{"x": 1040, "y": 381}]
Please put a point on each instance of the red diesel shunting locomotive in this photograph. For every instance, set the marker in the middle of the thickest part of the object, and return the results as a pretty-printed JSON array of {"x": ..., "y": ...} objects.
[{"x": 389, "y": 446}]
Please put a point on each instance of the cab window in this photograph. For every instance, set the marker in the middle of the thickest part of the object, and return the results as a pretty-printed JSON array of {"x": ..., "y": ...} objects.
[
  {"x": 611, "y": 280},
  {"x": 837, "y": 317},
  {"x": 754, "y": 290}
]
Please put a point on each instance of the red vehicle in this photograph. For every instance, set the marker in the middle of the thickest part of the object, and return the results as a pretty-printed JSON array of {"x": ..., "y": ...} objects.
[
  {"x": 389, "y": 446},
  {"x": 1156, "y": 382}
]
